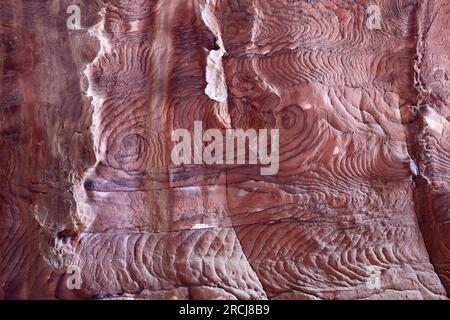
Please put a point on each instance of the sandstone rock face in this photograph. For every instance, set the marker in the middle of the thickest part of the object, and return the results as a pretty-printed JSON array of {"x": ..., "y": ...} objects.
[{"x": 93, "y": 206}]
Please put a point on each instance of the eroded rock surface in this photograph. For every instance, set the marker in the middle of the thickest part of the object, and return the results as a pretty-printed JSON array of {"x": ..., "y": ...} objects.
[{"x": 87, "y": 179}]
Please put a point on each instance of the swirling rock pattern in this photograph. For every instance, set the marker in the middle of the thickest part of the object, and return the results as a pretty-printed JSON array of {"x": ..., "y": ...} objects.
[{"x": 86, "y": 177}]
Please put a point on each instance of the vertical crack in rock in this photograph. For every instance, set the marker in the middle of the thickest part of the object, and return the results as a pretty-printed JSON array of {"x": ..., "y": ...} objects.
[
  {"x": 97, "y": 100},
  {"x": 429, "y": 122}
]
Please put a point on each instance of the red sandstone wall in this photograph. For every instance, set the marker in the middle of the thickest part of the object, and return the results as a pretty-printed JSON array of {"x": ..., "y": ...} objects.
[{"x": 87, "y": 183}]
